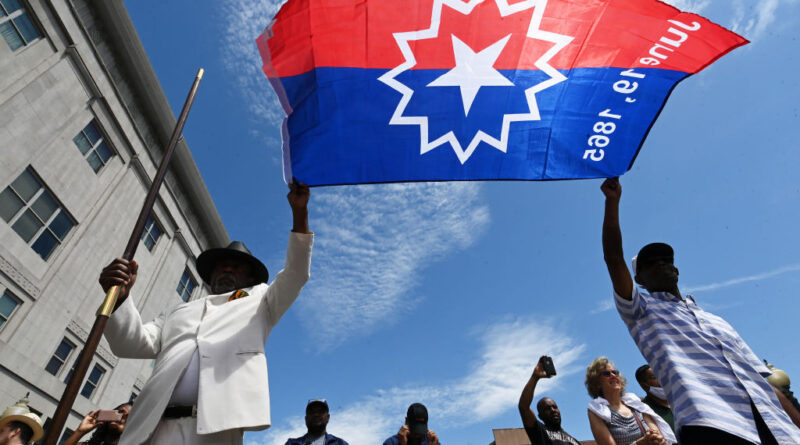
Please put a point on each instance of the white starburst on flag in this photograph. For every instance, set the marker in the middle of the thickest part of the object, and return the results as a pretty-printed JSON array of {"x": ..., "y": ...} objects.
[{"x": 469, "y": 88}]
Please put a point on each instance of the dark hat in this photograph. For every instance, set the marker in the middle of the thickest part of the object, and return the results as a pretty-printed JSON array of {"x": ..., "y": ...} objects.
[
  {"x": 417, "y": 418},
  {"x": 317, "y": 402},
  {"x": 235, "y": 250},
  {"x": 652, "y": 251}
]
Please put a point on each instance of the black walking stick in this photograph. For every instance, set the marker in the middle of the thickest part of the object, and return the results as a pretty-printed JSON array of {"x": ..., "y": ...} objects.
[{"x": 105, "y": 310}]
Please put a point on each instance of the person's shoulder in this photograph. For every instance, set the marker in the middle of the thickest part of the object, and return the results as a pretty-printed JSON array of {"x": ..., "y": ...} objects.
[
  {"x": 393, "y": 440},
  {"x": 536, "y": 432},
  {"x": 335, "y": 440},
  {"x": 295, "y": 440}
]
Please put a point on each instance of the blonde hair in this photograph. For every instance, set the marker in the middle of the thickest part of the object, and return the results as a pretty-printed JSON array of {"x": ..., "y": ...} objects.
[{"x": 593, "y": 376}]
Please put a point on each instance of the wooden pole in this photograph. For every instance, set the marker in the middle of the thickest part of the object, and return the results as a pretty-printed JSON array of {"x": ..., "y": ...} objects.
[{"x": 110, "y": 302}]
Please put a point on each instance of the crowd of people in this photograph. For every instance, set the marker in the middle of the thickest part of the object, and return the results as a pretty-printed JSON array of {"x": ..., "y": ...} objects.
[
  {"x": 703, "y": 384},
  {"x": 715, "y": 390}
]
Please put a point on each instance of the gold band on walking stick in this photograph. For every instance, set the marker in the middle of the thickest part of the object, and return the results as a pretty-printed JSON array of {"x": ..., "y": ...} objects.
[{"x": 109, "y": 303}]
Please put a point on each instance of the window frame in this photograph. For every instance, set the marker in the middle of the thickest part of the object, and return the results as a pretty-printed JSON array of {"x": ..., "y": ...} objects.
[
  {"x": 27, "y": 210},
  {"x": 66, "y": 360},
  {"x": 5, "y": 318},
  {"x": 147, "y": 234},
  {"x": 96, "y": 384},
  {"x": 92, "y": 150},
  {"x": 181, "y": 289},
  {"x": 10, "y": 17}
]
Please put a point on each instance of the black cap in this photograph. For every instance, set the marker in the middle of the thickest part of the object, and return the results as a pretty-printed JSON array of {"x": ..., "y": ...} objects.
[
  {"x": 417, "y": 418},
  {"x": 653, "y": 251},
  {"x": 317, "y": 402},
  {"x": 235, "y": 250}
]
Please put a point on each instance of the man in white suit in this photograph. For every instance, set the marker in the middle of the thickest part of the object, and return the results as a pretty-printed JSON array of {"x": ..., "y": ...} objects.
[{"x": 209, "y": 381}]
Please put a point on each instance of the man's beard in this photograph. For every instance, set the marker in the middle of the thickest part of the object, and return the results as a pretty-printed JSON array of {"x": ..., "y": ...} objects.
[{"x": 225, "y": 283}]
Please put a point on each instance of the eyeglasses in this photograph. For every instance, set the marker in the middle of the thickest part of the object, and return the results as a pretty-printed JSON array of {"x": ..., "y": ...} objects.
[
  {"x": 608, "y": 373},
  {"x": 310, "y": 401}
]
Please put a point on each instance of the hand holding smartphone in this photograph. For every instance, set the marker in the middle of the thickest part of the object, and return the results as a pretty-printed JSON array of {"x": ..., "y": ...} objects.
[
  {"x": 547, "y": 365},
  {"x": 109, "y": 415}
]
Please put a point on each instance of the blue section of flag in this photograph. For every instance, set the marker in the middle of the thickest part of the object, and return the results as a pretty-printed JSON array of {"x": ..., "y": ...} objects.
[{"x": 340, "y": 131}]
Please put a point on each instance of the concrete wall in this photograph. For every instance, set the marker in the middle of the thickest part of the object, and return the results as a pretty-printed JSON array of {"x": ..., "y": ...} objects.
[{"x": 49, "y": 91}]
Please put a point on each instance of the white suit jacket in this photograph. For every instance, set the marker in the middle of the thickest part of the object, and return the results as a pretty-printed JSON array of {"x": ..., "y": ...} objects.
[{"x": 233, "y": 391}]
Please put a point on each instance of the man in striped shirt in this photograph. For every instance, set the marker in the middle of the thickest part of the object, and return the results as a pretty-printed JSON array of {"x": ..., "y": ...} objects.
[{"x": 714, "y": 383}]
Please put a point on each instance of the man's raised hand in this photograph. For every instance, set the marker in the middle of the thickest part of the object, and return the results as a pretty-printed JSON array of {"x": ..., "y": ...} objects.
[
  {"x": 538, "y": 371},
  {"x": 402, "y": 435},
  {"x": 432, "y": 438},
  {"x": 298, "y": 196},
  {"x": 612, "y": 188}
]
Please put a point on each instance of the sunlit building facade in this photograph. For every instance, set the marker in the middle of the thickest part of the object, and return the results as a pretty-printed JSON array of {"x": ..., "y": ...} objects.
[{"x": 83, "y": 122}]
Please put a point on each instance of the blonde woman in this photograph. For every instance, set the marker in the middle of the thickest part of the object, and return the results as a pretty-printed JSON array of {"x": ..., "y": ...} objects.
[{"x": 617, "y": 417}]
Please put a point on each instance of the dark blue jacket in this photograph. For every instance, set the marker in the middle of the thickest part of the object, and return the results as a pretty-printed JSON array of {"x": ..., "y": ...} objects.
[{"x": 330, "y": 439}]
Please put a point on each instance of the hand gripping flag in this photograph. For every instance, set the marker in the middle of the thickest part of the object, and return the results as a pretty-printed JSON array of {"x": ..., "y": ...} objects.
[{"x": 440, "y": 90}]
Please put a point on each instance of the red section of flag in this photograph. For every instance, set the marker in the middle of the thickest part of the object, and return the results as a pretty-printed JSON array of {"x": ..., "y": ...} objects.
[{"x": 307, "y": 34}]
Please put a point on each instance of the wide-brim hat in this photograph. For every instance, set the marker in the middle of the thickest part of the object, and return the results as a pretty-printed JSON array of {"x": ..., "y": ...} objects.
[
  {"x": 235, "y": 250},
  {"x": 32, "y": 420}
]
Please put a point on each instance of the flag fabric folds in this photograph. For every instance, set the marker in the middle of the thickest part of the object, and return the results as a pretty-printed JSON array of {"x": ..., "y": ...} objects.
[{"x": 440, "y": 90}]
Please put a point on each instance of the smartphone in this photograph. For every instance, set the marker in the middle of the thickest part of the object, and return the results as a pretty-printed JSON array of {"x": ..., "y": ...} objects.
[
  {"x": 109, "y": 415},
  {"x": 549, "y": 368}
]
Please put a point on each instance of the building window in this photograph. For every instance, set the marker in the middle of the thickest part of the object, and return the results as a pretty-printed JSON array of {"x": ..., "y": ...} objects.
[
  {"x": 151, "y": 233},
  {"x": 93, "y": 381},
  {"x": 186, "y": 285},
  {"x": 60, "y": 357},
  {"x": 15, "y": 25},
  {"x": 92, "y": 146},
  {"x": 33, "y": 212},
  {"x": 8, "y": 304}
]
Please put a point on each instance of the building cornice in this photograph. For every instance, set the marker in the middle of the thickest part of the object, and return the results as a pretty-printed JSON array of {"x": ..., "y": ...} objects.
[{"x": 139, "y": 72}]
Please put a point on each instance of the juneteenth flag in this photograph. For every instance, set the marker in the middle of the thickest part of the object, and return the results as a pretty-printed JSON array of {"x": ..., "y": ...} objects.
[{"x": 440, "y": 90}]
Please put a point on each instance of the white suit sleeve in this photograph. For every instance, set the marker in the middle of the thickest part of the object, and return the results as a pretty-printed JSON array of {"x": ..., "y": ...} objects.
[
  {"x": 287, "y": 284},
  {"x": 129, "y": 337}
]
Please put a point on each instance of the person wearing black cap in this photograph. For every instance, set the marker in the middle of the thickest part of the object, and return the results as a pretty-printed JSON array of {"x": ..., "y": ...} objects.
[
  {"x": 713, "y": 381},
  {"x": 317, "y": 417},
  {"x": 209, "y": 380},
  {"x": 415, "y": 430}
]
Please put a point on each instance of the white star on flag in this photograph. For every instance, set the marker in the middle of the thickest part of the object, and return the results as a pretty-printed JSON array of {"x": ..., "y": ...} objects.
[{"x": 473, "y": 70}]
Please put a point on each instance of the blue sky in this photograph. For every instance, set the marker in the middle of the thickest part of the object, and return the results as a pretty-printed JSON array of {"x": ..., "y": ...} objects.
[{"x": 448, "y": 293}]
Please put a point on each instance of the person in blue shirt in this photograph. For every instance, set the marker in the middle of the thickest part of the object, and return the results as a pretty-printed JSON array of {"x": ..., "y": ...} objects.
[
  {"x": 415, "y": 431},
  {"x": 317, "y": 417}
]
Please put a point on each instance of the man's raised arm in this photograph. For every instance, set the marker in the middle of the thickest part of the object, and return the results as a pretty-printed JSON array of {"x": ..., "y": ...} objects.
[
  {"x": 526, "y": 398},
  {"x": 612, "y": 240}
]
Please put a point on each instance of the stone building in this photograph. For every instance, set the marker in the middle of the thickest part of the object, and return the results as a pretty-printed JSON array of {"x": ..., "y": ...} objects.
[{"x": 83, "y": 122}]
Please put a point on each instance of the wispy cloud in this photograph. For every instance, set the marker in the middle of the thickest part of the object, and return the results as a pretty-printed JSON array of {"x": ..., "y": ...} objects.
[
  {"x": 509, "y": 349},
  {"x": 372, "y": 240},
  {"x": 606, "y": 304},
  {"x": 752, "y": 19},
  {"x": 747, "y": 17},
  {"x": 242, "y": 22},
  {"x": 741, "y": 280}
]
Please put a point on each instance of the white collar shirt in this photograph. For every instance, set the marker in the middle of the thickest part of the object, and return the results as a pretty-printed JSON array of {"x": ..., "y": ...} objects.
[{"x": 709, "y": 373}]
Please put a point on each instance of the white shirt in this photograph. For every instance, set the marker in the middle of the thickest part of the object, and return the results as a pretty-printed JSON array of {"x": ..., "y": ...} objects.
[{"x": 709, "y": 373}]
